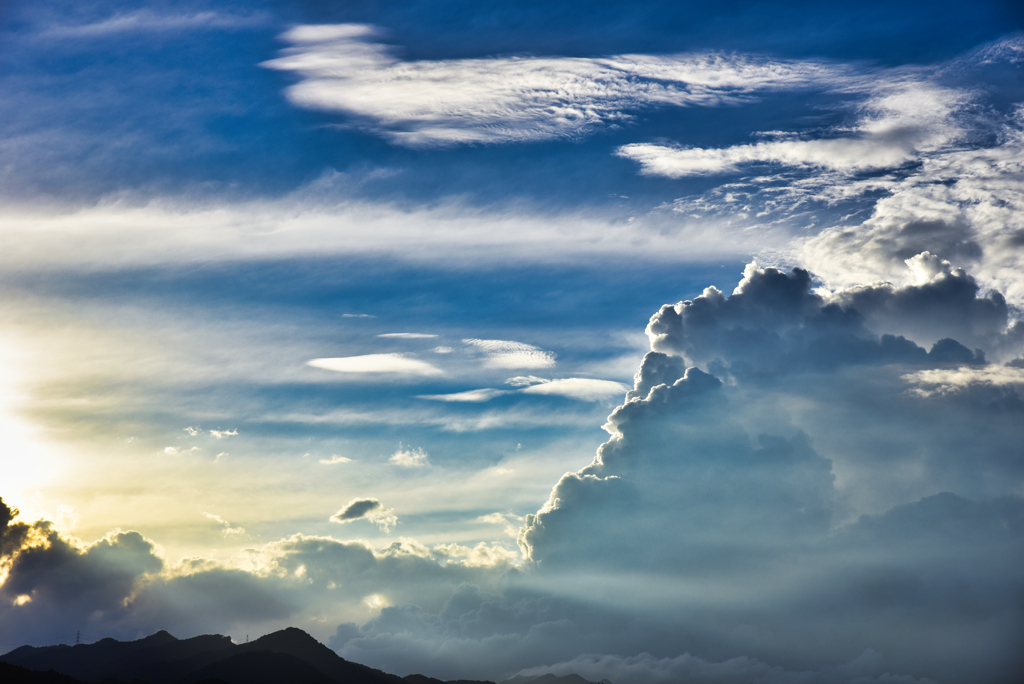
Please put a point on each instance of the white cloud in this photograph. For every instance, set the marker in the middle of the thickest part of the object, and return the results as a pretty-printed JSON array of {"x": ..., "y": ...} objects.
[
  {"x": 408, "y": 336},
  {"x": 520, "y": 416},
  {"x": 352, "y": 315},
  {"x": 899, "y": 121},
  {"x": 965, "y": 206},
  {"x": 377, "y": 363},
  {"x": 523, "y": 380},
  {"x": 493, "y": 519},
  {"x": 172, "y": 451},
  {"x": 409, "y": 458},
  {"x": 144, "y": 231},
  {"x": 513, "y": 99},
  {"x": 334, "y": 460},
  {"x": 841, "y": 153},
  {"x": 223, "y": 434},
  {"x": 229, "y": 529},
  {"x": 951, "y": 380},
  {"x": 147, "y": 21},
  {"x": 508, "y": 354},
  {"x": 583, "y": 389},
  {"x": 192, "y": 432},
  {"x": 470, "y": 396}
]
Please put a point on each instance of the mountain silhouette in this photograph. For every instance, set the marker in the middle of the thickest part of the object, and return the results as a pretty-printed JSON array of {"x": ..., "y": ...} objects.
[
  {"x": 12, "y": 674},
  {"x": 289, "y": 656}
]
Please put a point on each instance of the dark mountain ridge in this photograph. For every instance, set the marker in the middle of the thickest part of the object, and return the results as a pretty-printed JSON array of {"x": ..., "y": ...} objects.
[{"x": 289, "y": 656}]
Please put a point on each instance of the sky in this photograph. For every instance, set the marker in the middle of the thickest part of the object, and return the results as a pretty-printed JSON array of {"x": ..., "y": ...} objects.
[{"x": 660, "y": 343}]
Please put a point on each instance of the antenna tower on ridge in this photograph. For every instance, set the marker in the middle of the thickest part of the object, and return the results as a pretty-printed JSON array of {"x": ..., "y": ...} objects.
[{"x": 78, "y": 636}]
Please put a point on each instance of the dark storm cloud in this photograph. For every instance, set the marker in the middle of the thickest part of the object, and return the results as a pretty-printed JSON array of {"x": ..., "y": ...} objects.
[
  {"x": 51, "y": 582},
  {"x": 119, "y": 586}
]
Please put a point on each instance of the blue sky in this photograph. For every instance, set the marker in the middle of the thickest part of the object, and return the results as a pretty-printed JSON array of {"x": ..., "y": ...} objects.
[{"x": 666, "y": 343}]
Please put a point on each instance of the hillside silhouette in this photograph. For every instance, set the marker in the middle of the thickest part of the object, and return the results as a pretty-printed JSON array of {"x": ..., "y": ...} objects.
[{"x": 289, "y": 656}]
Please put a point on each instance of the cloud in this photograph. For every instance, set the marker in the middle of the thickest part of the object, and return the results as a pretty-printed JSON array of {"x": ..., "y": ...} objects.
[
  {"x": 175, "y": 230},
  {"x": 507, "y": 354},
  {"x": 775, "y": 323},
  {"x": 939, "y": 301},
  {"x": 900, "y": 119},
  {"x": 408, "y": 336},
  {"x": 512, "y": 99},
  {"x": 66, "y": 519},
  {"x": 520, "y": 416},
  {"x": 837, "y": 154},
  {"x": 775, "y": 424},
  {"x": 368, "y": 509},
  {"x": 470, "y": 396},
  {"x": 962, "y": 206},
  {"x": 377, "y": 363},
  {"x": 172, "y": 450},
  {"x": 524, "y": 380},
  {"x": 647, "y": 669},
  {"x": 120, "y": 586},
  {"x": 334, "y": 460},
  {"x": 229, "y": 529},
  {"x": 355, "y": 509},
  {"x": 64, "y": 580},
  {"x": 952, "y": 380},
  {"x": 493, "y": 519},
  {"x": 146, "y": 21},
  {"x": 223, "y": 434},
  {"x": 351, "y": 315},
  {"x": 409, "y": 458},
  {"x": 583, "y": 389}
]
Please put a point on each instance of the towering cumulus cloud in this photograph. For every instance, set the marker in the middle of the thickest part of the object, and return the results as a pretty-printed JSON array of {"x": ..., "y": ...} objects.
[{"x": 779, "y": 461}]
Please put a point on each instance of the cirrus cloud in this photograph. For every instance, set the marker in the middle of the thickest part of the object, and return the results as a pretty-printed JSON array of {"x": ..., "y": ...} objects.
[{"x": 512, "y": 99}]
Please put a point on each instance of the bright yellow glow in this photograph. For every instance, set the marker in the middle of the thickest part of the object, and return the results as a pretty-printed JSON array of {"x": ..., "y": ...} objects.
[
  {"x": 26, "y": 463},
  {"x": 22, "y": 600},
  {"x": 375, "y": 601}
]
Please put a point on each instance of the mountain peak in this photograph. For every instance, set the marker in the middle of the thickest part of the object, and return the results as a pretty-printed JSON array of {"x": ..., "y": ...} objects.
[
  {"x": 289, "y": 636},
  {"x": 158, "y": 638}
]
